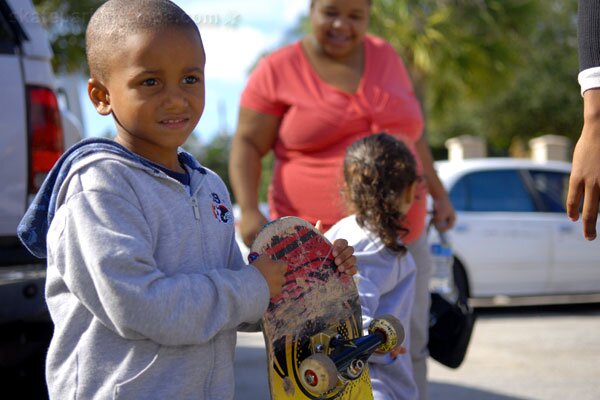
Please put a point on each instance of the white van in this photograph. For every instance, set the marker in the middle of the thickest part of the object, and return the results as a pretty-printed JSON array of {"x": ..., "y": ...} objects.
[{"x": 32, "y": 138}]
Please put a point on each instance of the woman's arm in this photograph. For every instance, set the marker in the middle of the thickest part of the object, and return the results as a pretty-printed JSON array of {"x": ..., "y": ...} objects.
[
  {"x": 443, "y": 211},
  {"x": 255, "y": 136}
]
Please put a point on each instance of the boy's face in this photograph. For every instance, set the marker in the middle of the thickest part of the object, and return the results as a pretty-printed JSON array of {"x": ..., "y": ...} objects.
[{"x": 154, "y": 89}]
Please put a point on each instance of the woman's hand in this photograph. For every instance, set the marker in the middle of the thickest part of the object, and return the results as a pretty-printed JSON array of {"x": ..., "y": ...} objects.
[{"x": 444, "y": 216}]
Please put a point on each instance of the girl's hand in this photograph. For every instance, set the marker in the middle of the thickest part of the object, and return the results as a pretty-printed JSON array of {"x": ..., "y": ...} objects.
[
  {"x": 395, "y": 352},
  {"x": 398, "y": 350}
]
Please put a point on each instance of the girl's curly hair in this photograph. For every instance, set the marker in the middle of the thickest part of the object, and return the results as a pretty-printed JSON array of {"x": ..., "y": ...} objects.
[{"x": 377, "y": 170}]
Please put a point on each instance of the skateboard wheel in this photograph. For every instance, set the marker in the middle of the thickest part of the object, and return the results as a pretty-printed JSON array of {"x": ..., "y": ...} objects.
[
  {"x": 392, "y": 328},
  {"x": 318, "y": 374}
]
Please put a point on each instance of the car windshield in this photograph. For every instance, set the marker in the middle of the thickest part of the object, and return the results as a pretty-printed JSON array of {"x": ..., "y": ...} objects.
[{"x": 492, "y": 191}]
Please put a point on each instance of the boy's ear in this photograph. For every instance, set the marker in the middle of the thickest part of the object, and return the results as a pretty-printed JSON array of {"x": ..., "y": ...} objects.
[{"x": 99, "y": 96}]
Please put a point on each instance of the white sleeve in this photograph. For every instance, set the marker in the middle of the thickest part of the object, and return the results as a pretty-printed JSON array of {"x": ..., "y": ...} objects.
[
  {"x": 589, "y": 79},
  {"x": 376, "y": 278}
]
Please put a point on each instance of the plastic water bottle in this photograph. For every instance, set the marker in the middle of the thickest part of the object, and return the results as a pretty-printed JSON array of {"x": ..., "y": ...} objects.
[{"x": 442, "y": 275}]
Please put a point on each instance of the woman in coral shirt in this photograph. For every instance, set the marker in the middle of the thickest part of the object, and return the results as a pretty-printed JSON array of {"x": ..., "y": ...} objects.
[{"x": 308, "y": 102}]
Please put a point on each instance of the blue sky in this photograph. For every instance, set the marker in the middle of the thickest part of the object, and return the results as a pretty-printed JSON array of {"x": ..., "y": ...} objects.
[{"x": 235, "y": 33}]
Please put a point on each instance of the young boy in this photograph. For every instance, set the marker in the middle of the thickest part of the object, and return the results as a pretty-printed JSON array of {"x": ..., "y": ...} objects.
[{"x": 145, "y": 282}]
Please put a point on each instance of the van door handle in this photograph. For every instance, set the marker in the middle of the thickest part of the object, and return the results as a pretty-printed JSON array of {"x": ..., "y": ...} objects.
[
  {"x": 461, "y": 228},
  {"x": 565, "y": 228}
]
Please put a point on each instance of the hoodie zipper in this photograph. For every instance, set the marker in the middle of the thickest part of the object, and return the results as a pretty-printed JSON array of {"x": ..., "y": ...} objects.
[
  {"x": 195, "y": 208},
  {"x": 193, "y": 198}
]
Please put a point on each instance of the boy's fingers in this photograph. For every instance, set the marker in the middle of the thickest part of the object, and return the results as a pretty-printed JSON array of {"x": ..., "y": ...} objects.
[{"x": 283, "y": 267}]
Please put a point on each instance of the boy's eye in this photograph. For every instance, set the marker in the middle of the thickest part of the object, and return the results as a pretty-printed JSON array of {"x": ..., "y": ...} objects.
[
  {"x": 149, "y": 82},
  {"x": 190, "y": 80}
]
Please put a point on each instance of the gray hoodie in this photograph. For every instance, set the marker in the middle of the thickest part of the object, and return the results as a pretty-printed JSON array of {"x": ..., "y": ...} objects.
[{"x": 145, "y": 283}]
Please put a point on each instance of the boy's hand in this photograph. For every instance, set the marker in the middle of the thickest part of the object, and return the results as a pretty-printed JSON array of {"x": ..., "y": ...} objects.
[
  {"x": 273, "y": 272},
  {"x": 344, "y": 257}
]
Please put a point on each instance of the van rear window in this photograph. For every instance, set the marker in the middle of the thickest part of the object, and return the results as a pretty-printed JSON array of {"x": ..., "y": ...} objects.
[{"x": 9, "y": 42}]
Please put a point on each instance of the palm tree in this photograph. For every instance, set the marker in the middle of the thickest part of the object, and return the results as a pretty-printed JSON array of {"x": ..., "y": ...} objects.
[{"x": 455, "y": 50}]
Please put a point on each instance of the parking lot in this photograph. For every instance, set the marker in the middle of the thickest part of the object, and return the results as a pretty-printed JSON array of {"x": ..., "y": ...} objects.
[
  {"x": 516, "y": 353},
  {"x": 541, "y": 353}
]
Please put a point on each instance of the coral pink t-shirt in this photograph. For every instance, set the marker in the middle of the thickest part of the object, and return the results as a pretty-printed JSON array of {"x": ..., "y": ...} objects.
[{"x": 320, "y": 121}]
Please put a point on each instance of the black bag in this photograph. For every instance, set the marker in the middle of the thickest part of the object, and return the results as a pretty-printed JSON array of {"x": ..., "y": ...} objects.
[{"x": 450, "y": 328}]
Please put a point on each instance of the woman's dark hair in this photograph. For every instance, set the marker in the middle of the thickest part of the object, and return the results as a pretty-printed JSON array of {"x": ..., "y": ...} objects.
[{"x": 377, "y": 170}]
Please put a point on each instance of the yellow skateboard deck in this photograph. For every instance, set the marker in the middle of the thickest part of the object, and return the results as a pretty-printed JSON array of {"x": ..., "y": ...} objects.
[{"x": 318, "y": 306}]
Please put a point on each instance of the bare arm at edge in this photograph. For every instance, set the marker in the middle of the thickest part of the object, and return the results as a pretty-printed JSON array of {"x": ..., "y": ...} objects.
[
  {"x": 254, "y": 137},
  {"x": 444, "y": 216},
  {"x": 585, "y": 172}
]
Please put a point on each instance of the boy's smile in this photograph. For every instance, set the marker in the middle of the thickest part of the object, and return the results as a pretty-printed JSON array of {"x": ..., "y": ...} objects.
[{"x": 155, "y": 91}]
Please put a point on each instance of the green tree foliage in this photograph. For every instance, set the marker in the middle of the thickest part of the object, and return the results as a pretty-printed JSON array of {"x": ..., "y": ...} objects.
[
  {"x": 543, "y": 98},
  {"x": 215, "y": 155},
  {"x": 456, "y": 51},
  {"x": 502, "y": 69},
  {"x": 65, "y": 21}
]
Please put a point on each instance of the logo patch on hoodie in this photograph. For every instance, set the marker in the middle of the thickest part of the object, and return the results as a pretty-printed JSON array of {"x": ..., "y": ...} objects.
[{"x": 220, "y": 211}]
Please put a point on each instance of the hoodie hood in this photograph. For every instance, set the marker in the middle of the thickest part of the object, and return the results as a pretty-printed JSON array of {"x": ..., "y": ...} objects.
[{"x": 34, "y": 225}]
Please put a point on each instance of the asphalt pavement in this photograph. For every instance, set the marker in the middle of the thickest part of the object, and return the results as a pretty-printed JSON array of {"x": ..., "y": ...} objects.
[{"x": 526, "y": 353}]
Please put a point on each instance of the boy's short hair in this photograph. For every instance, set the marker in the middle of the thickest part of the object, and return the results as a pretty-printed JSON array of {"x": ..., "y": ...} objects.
[{"x": 116, "y": 19}]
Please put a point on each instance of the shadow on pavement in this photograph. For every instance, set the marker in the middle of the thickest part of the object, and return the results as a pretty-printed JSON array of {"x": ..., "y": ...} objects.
[
  {"x": 448, "y": 391},
  {"x": 543, "y": 310},
  {"x": 251, "y": 381},
  {"x": 252, "y": 384},
  {"x": 23, "y": 349}
]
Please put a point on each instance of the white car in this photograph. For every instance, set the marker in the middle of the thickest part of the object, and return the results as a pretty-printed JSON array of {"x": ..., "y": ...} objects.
[
  {"x": 35, "y": 130},
  {"x": 513, "y": 242},
  {"x": 512, "y": 237}
]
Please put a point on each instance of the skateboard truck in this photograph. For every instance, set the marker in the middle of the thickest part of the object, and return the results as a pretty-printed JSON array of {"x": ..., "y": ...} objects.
[{"x": 335, "y": 360}]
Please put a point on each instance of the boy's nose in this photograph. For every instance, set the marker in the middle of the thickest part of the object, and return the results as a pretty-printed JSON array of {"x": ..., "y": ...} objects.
[{"x": 175, "y": 98}]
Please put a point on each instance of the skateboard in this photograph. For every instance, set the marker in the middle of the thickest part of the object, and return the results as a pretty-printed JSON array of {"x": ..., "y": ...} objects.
[{"x": 313, "y": 329}]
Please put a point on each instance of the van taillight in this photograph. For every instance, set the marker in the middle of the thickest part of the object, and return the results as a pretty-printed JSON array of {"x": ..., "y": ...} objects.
[{"x": 45, "y": 133}]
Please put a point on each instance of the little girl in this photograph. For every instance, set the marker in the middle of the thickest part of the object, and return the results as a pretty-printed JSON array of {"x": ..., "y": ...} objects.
[{"x": 380, "y": 184}]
